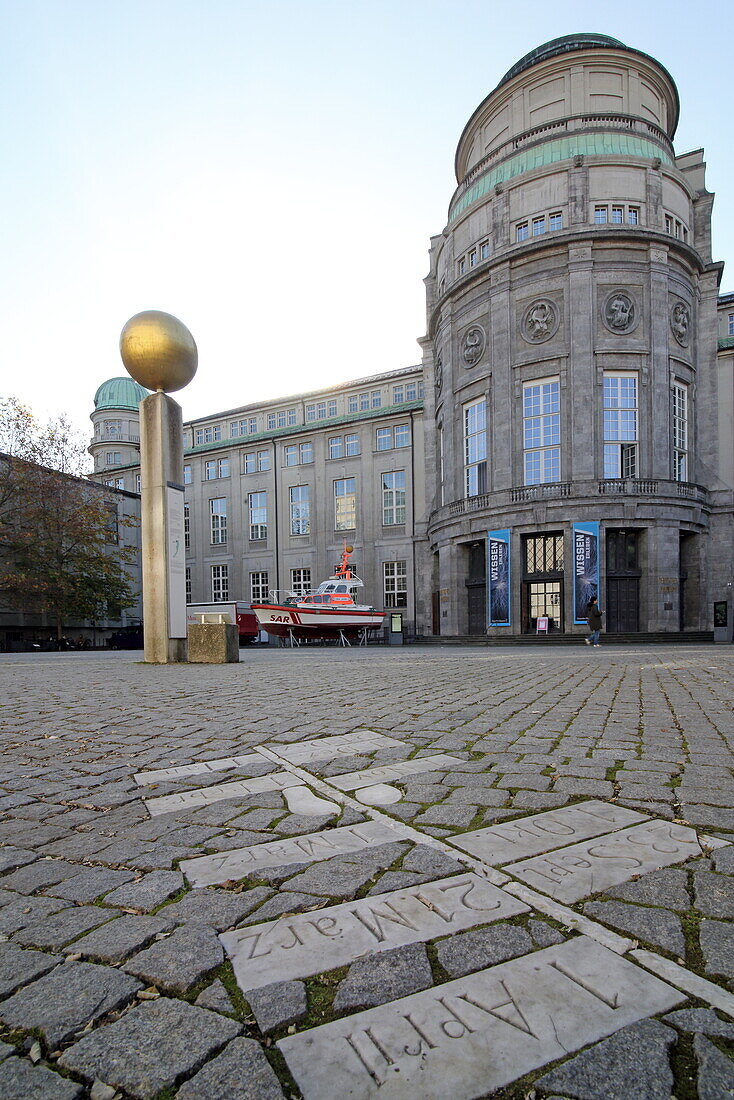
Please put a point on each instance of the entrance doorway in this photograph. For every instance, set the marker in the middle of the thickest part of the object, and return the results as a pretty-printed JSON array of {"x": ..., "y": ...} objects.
[
  {"x": 476, "y": 588},
  {"x": 542, "y": 586},
  {"x": 623, "y": 582}
]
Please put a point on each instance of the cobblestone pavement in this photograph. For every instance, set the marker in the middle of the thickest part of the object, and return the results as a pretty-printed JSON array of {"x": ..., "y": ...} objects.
[{"x": 420, "y": 872}]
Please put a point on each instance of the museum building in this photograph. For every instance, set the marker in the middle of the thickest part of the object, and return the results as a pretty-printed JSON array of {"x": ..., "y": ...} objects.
[{"x": 571, "y": 427}]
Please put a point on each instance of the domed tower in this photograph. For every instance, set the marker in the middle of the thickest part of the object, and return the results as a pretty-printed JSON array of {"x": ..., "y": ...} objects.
[
  {"x": 571, "y": 308},
  {"x": 116, "y": 442}
]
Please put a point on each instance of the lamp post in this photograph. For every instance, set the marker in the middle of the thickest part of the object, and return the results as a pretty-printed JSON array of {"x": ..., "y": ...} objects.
[{"x": 159, "y": 352}]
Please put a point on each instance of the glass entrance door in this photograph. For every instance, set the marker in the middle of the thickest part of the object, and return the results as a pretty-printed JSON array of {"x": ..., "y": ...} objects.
[{"x": 545, "y": 601}]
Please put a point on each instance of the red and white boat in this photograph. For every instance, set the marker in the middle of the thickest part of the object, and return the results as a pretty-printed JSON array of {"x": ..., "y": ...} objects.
[{"x": 331, "y": 611}]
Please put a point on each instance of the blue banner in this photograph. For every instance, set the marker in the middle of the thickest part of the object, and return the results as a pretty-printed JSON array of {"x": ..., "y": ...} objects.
[
  {"x": 585, "y": 567},
  {"x": 498, "y": 589}
]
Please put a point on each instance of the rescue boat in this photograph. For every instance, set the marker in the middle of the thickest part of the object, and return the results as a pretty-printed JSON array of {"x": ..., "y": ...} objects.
[{"x": 330, "y": 612}]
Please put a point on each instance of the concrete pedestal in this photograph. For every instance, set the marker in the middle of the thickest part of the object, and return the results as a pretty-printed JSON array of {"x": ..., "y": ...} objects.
[{"x": 213, "y": 644}]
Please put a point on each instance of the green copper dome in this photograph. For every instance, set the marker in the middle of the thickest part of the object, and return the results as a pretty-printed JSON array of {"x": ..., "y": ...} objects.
[
  {"x": 558, "y": 46},
  {"x": 119, "y": 393}
]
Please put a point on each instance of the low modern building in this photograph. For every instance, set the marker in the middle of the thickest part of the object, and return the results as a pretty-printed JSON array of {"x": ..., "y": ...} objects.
[{"x": 576, "y": 430}]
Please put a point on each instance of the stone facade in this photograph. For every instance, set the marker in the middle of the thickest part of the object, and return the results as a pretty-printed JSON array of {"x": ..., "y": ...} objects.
[{"x": 572, "y": 348}]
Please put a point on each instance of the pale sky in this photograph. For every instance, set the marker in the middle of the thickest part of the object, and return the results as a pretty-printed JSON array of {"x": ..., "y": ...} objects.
[{"x": 270, "y": 173}]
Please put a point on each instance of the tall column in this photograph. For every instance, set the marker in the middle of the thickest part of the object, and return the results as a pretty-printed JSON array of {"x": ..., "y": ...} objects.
[{"x": 162, "y": 500}]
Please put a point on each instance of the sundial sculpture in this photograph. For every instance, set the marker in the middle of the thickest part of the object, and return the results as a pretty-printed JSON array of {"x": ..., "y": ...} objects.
[{"x": 159, "y": 352}]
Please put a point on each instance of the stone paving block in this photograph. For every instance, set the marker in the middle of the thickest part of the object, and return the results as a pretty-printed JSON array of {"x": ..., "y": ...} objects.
[
  {"x": 714, "y": 894},
  {"x": 278, "y": 1005},
  {"x": 35, "y": 876},
  {"x": 241, "y": 1072},
  {"x": 544, "y": 935},
  {"x": 6, "y": 1049},
  {"x": 24, "y": 911},
  {"x": 342, "y": 876},
  {"x": 717, "y": 944},
  {"x": 656, "y": 926},
  {"x": 180, "y": 960},
  {"x": 19, "y": 1080},
  {"x": 598, "y": 788},
  {"x": 297, "y": 824},
  {"x": 160, "y": 857},
  {"x": 219, "y": 909},
  {"x": 459, "y": 817},
  {"x": 632, "y": 1063},
  {"x": 474, "y": 950},
  {"x": 114, "y": 941},
  {"x": 216, "y": 997},
  {"x": 150, "y": 1047},
  {"x": 58, "y": 930},
  {"x": 89, "y": 884},
  {"x": 150, "y": 891},
  {"x": 715, "y": 1070},
  {"x": 527, "y": 782},
  {"x": 723, "y": 859},
  {"x": 667, "y": 887},
  {"x": 385, "y": 977},
  {"x": 281, "y": 904},
  {"x": 703, "y": 1021},
  {"x": 62, "y": 1002},
  {"x": 19, "y": 967},
  {"x": 11, "y": 857},
  {"x": 539, "y": 800},
  {"x": 431, "y": 861}
]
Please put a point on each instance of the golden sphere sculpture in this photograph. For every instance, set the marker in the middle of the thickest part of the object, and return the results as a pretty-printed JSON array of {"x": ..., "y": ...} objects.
[{"x": 158, "y": 351}]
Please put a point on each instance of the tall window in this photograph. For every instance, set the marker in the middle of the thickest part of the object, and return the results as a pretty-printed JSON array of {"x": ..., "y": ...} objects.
[
  {"x": 541, "y": 429},
  {"x": 237, "y": 428},
  {"x": 351, "y": 445},
  {"x": 383, "y": 439},
  {"x": 680, "y": 432},
  {"x": 220, "y": 583},
  {"x": 395, "y": 583},
  {"x": 187, "y": 475},
  {"x": 300, "y": 582},
  {"x": 345, "y": 504},
  {"x": 259, "y": 587},
  {"x": 258, "y": 515},
  {"x": 620, "y": 425},
  {"x": 730, "y": 324},
  {"x": 113, "y": 429},
  {"x": 336, "y": 446},
  {"x": 300, "y": 501},
  {"x": 475, "y": 448},
  {"x": 256, "y": 461},
  {"x": 218, "y": 519},
  {"x": 188, "y": 584},
  {"x": 397, "y": 395},
  {"x": 216, "y": 467},
  {"x": 393, "y": 498},
  {"x": 187, "y": 526}
]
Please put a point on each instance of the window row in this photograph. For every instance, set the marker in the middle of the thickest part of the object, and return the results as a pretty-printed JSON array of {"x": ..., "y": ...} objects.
[
  {"x": 536, "y": 227},
  {"x": 392, "y": 487},
  {"x": 475, "y": 255},
  {"x": 616, "y": 214},
  {"x": 394, "y": 584},
  {"x": 297, "y": 454},
  {"x": 541, "y": 433}
]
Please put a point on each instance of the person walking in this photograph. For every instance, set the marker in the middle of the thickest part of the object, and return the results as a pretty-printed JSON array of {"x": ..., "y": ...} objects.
[{"x": 593, "y": 617}]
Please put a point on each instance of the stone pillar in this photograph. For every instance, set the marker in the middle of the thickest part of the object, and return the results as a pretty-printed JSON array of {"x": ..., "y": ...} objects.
[{"x": 162, "y": 495}]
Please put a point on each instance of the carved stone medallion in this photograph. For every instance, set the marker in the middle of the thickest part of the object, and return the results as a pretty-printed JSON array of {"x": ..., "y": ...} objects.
[
  {"x": 680, "y": 323},
  {"x": 620, "y": 313},
  {"x": 540, "y": 321},
  {"x": 473, "y": 345}
]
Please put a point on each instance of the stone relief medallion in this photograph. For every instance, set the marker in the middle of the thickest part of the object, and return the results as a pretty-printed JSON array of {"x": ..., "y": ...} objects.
[
  {"x": 473, "y": 345},
  {"x": 680, "y": 322},
  {"x": 619, "y": 312},
  {"x": 540, "y": 321}
]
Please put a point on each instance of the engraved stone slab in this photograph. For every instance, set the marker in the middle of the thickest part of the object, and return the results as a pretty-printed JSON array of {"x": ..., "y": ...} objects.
[
  {"x": 474, "y": 1035},
  {"x": 595, "y": 865},
  {"x": 382, "y": 794},
  {"x": 328, "y": 748},
  {"x": 310, "y": 943},
  {"x": 386, "y": 773},
  {"x": 302, "y": 800},
  {"x": 209, "y": 870},
  {"x": 204, "y": 796},
  {"x": 543, "y": 832},
  {"x": 224, "y": 763}
]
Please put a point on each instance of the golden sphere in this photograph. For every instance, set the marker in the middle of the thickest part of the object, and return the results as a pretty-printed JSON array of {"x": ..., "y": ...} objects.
[{"x": 158, "y": 351}]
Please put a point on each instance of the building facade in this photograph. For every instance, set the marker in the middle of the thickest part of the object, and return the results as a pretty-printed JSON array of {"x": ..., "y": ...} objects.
[
  {"x": 273, "y": 490},
  {"x": 571, "y": 426},
  {"x": 582, "y": 430}
]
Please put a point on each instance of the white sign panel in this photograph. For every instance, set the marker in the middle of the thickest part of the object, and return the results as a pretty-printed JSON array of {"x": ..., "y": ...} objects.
[{"x": 475, "y": 1035}]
